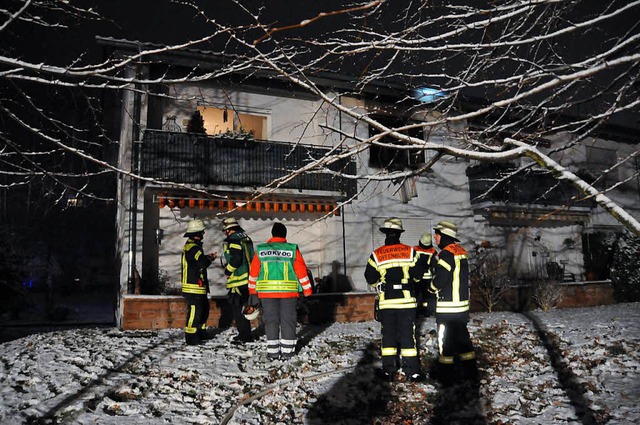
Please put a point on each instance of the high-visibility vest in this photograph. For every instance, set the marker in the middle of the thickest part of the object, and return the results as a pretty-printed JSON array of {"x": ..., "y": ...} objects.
[
  {"x": 454, "y": 293},
  {"x": 240, "y": 275},
  {"x": 394, "y": 263},
  {"x": 194, "y": 272},
  {"x": 276, "y": 272}
]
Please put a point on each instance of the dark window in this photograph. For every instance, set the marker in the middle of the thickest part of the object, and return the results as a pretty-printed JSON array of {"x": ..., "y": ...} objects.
[
  {"x": 599, "y": 160},
  {"x": 392, "y": 158}
]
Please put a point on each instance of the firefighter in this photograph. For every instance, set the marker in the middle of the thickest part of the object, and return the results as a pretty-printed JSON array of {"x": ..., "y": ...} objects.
[
  {"x": 427, "y": 259},
  {"x": 278, "y": 273},
  {"x": 392, "y": 267},
  {"x": 456, "y": 355},
  {"x": 238, "y": 253},
  {"x": 195, "y": 284}
]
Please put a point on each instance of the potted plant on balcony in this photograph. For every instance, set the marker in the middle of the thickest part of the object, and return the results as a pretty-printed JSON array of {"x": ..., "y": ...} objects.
[
  {"x": 238, "y": 135},
  {"x": 244, "y": 134},
  {"x": 196, "y": 126},
  {"x": 242, "y": 138},
  {"x": 196, "y": 123}
]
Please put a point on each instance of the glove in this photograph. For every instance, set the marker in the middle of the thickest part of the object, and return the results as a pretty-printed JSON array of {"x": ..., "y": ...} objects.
[{"x": 253, "y": 300}]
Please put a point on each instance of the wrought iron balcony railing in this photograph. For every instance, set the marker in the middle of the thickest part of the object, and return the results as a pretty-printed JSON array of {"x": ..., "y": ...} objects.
[
  {"x": 218, "y": 160},
  {"x": 532, "y": 187}
]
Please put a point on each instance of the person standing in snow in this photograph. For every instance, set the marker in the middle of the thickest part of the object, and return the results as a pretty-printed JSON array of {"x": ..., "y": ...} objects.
[
  {"x": 238, "y": 253},
  {"x": 451, "y": 283},
  {"x": 195, "y": 283},
  {"x": 427, "y": 259},
  {"x": 278, "y": 274},
  {"x": 393, "y": 267}
]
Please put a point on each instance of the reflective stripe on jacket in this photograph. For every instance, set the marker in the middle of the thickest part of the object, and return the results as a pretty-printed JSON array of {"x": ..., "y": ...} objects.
[
  {"x": 392, "y": 266},
  {"x": 194, "y": 265},
  {"x": 278, "y": 270},
  {"x": 238, "y": 252},
  {"x": 451, "y": 281},
  {"x": 426, "y": 255}
]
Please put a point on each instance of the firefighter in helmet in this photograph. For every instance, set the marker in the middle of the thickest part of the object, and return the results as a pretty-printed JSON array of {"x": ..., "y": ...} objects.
[
  {"x": 427, "y": 259},
  {"x": 393, "y": 267},
  {"x": 456, "y": 355},
  {"x": 195, "y": 283},
  {"x": 238, "y": 253}
]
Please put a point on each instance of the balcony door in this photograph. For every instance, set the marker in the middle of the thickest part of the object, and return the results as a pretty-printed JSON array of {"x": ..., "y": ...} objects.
[{"x": 219, "y": 120}]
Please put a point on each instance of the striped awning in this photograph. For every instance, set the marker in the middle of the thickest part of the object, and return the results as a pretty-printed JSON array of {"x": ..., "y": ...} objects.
[{"x": 266, "y": 205}]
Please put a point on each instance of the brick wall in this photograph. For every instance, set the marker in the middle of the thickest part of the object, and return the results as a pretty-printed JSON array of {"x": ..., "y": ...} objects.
[
  {"x": 161, "y": 312},
  {"x": 587, "y": 294},
  {"x": 578, "y": 294}
]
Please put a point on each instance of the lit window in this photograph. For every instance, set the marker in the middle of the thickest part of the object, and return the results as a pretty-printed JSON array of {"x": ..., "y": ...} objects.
[
  {"x": 74, "y": 202},
  {"x": 222, "y": 120}
]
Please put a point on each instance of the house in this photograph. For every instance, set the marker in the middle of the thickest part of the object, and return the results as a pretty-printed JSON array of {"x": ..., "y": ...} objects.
[{"x": 260, "y": 128}]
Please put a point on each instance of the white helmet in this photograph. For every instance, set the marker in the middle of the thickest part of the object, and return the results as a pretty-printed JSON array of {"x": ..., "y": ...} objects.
[
  {"x": 251, "y": 312},
  {"x": 392, "y": 224},
  {"x": 447, "y": 228},
  {"x": 194, "y": 226},
  {"x": 229, "y": 223}
]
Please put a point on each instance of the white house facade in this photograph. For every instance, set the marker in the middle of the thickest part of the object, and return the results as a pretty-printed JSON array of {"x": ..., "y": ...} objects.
[{"x": 256, "y": 134}]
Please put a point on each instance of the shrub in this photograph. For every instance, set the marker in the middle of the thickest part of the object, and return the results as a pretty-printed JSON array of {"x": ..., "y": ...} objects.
[
  {"x": 625, "y": 272},
  {"x": 546, "y": 293},
  {"x": 163, "y": 282},
  {"x": 165, "y": 286},
  {"x": 489, "y": 275}
]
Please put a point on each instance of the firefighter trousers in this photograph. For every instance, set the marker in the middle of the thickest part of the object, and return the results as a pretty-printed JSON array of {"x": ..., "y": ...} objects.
[
  {"x": 238, "y": 298},
  {"x": 456, "y": 355},
  {"x": 197, "y": 315},
  {"x": 398, "y": 331}
]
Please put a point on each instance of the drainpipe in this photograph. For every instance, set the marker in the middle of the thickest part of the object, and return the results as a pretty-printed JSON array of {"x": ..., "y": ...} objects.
[
  {"x": 133, "y": 190},
  {"x": 344, "y": 238},
  {"x": 344, "y": 244}
]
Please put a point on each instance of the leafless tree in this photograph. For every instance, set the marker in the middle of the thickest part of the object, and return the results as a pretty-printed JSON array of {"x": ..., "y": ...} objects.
[{"x": 508, "y": 74}]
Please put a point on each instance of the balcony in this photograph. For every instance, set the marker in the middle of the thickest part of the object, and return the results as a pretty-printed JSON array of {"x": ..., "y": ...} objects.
[
  {"x": 218, "y": 160},
  {"x": 526, "y": 198}
]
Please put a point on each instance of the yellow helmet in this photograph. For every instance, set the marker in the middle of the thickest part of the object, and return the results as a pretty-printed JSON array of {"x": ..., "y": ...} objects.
[{"x": 425, "y": 239}]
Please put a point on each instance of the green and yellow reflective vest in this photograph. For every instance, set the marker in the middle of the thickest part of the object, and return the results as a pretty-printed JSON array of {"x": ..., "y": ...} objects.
[
  {"x": 277, "y": 274},
  {"x": 238, "y": 252}
]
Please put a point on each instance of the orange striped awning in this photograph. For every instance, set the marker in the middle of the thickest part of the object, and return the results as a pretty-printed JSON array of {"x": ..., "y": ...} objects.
[{"x": 267, "y": 205}]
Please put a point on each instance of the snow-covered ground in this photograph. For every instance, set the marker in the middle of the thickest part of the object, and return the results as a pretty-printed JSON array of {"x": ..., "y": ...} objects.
[{"x": 572, "y": 366}]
